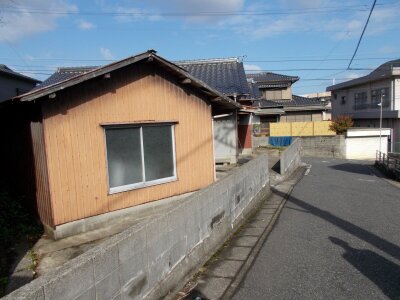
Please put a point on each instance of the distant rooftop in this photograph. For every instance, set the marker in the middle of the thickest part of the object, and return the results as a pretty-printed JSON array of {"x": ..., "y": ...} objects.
[
  {"x": 265, "y": 77},
  {"x": 226, "y": 75},
  {"x": 296, "y": 101},
  {"x": 7, "y": 71},
  {"x": 63, "y": 74},
  {"x": 385, "y": 70}
]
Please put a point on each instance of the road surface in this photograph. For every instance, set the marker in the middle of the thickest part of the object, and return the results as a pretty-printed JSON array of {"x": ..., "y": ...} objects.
[{"x": 338, "y": 237}]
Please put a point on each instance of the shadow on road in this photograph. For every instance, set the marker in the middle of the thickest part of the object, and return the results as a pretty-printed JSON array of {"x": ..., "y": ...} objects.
[
  {"x": 352, "y": 168},
  {"x": 369, "y": 237},
  {"x": 382, "y": 272}
]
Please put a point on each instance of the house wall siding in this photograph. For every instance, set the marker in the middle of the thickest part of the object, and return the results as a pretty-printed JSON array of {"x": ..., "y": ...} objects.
[
  {"x": 41, "y": 175},
  {"x": 75, "y": 141},
  {"x": 339, "y": 108}
]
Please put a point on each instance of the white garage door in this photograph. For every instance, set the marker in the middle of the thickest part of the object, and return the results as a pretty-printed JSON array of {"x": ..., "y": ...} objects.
[{"x": 364, "y": 147}]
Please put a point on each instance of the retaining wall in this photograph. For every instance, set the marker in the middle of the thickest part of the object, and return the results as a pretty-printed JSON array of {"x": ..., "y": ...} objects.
[
  {"x": 260, "y": 141},
  {"x": 152, "y": 258},
  {"x": 324, "y": 146},
  {"x": 290, "y": 159}
]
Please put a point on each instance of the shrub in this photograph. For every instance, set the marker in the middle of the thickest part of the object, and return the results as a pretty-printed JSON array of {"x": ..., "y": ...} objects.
[{"x": 341, "y": 124}]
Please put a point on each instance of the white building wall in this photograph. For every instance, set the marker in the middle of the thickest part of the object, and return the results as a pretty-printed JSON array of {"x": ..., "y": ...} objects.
[
  {"x": 396, "y": 94},
  {"x": 225, "y": 139}
]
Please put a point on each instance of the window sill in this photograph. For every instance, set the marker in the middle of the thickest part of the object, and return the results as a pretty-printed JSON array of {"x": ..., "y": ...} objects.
[{"x": 135, "y": 186}]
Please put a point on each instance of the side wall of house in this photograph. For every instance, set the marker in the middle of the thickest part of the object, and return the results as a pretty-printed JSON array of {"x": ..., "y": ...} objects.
[
  {"x": 43, "y": 199},
  {"x": 75, "y": 140}
]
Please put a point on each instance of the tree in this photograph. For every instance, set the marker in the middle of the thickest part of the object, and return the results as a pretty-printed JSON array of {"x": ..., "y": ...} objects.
[{"x": 341, "y": 124}]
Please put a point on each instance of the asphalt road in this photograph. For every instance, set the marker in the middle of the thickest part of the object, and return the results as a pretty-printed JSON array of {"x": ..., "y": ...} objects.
[{"x": 338, "y": 237}]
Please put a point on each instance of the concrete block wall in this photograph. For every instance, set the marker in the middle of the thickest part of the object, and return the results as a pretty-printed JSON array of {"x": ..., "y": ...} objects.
[
  {"x": 260, "y": 141},
  {"x": 324, "y": 146},
  {"x": 290, "y": 159},
  {"x": 152, "y": 258}
]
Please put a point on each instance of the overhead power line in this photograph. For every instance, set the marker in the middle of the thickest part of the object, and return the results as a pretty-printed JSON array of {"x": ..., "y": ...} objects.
[
  {"x": 316, "y": 60},
  {"x": 322, "y": 10},
  {"x": 362, "y": 34}
]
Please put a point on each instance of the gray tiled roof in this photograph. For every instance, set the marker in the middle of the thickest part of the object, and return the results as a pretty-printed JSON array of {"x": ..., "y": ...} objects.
[
  {"x": 385, "y": 70},
  {"x": 6, "y": 70},
  {"x": 297, "y": 101},
  {"x": 67, "y": 77},
  {"x": 270, "y": 77},
  {"x": 225, "y": 75},
  {"x": 63, "y": 74}
]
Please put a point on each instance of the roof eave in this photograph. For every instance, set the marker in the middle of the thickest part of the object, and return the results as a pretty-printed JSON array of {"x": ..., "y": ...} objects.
[
  {"x": 216, "y": 97},
  {"x": 305, "y": 107},
  {"x": 82, "y": 77},
  {"x": 200, "y": 84},
  {"x": 358, "y": 81}
]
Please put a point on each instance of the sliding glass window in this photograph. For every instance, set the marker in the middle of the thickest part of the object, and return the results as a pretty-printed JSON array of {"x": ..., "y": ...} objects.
[{"x": 140, "y": 156}]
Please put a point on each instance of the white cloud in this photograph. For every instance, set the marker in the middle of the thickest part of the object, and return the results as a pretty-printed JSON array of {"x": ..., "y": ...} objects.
[
  {"x": 252, "y": 68},
  {"x": 85, "y": 25},
  {"x": 187, "y": 10},
  {"x": 19, "y": 19},
  {"x": 303, "y": 3},
  {"x": 106, "y": 54}
]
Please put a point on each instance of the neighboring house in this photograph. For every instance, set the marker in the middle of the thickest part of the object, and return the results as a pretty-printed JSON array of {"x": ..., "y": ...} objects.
[
  {"x": 226, "y": 75},
  {"x": 13, "y": 84},
  {"x": 105, "y": 139},
  {"x": 326, "y": 98},
  {"x": 273, "y": 101},
  {"x": 360, "y": 98}
]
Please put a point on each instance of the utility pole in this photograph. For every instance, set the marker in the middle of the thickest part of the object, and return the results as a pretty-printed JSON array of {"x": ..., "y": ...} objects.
[{"x": 380, "y": 122}]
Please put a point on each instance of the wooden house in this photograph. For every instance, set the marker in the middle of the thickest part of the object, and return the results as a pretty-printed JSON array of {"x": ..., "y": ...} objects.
[{"x": 109, "y": 138}]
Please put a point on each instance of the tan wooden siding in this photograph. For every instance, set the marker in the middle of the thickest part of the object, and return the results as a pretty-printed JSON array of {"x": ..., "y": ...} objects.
[
  {"x": 75, "y": 140},
  {"x": 41, "y": 176}
]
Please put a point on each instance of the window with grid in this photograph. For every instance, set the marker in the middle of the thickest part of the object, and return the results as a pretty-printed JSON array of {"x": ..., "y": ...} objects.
[
  {"x": 376, "y": 97},
  {"x": 140, "y": 156},
  {"x": 360, "y": 100}
]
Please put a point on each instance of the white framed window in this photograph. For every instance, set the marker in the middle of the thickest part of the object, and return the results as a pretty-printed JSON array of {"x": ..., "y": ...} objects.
[{"x": 139, "y": 155}]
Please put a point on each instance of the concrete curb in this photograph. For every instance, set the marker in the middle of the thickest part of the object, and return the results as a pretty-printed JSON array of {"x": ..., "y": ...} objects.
[{"x": 378, "y": 173}]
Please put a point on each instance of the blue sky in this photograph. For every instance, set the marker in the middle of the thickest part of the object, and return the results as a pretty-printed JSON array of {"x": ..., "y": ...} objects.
[{"x": 312, "y": 39}]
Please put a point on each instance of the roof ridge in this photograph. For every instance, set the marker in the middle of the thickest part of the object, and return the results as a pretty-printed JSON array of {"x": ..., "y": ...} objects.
[
  {"x": 207, "y": 60},
  {"x": 76, "y": 69},
  {"x": 267, "y": 72}
]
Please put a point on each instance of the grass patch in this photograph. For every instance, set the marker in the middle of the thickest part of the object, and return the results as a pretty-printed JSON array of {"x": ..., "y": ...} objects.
[{"x": 17, "y": 225}]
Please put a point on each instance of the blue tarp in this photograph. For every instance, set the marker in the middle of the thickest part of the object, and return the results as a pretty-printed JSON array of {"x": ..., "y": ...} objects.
[{"x": 280, "y": 141}]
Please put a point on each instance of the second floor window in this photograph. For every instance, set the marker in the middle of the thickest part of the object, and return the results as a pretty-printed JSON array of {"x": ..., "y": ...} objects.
[
  {"x": 376, "y": 97},
  {"x": 360, "y": 100}
]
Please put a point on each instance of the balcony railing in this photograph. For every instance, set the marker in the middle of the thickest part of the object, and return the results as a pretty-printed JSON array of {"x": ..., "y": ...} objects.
[{"x": 362, "y": 106}]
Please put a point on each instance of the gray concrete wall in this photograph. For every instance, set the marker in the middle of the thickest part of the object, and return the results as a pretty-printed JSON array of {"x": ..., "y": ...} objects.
[
  {"x": 323, "y": 146},
  {"x": 260, "y": 141},
  {"x": 291, "y": 158},
  {"x": 152, "y": 258}
]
